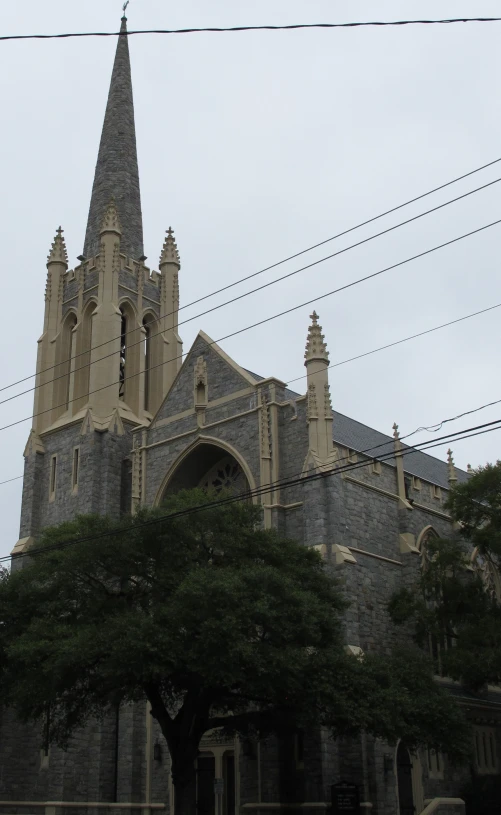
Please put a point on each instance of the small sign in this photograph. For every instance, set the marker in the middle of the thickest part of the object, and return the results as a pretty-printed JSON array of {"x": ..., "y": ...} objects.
[
  {"x": 345, "y": 799},
  {"x": 218, "y": 786}
]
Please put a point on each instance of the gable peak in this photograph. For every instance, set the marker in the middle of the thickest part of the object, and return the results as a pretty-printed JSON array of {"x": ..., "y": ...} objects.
[
  {"x": 170, "y": 252},
  {"x": 58, "y": 253},
  {"x": 316, "y": 347}
]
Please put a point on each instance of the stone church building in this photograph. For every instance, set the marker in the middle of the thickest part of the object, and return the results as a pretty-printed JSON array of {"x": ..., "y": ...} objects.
[{"x": 120, "y": 421}]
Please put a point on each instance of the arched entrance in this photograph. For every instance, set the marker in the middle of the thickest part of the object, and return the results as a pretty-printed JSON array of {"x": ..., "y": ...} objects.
[
  {"x": 404, "y": 778},
  {"x": 218, "y": 763},
  {"x": 210, "y": 467}
]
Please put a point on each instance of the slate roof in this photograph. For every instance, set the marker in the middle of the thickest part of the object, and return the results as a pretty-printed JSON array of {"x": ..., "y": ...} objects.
[
  {"x": 363, "y": 439},
  {"x": 357, "y": 436}
]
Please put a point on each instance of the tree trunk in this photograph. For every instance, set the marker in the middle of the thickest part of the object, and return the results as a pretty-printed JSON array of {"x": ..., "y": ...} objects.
[{"x": 184, "y": 779}]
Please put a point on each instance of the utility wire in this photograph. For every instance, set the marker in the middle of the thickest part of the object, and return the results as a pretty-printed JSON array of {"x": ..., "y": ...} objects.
[
  {"x": 431, "y": 429},
  {"x": 258, "y": 288},
  {"x": 234, "y": 29},
  {"x": 276, "y": 316},
  {"x": 399, "y": 342},
  {"x": 299, "y": 479},
  {"x": 275, "y": 265}
]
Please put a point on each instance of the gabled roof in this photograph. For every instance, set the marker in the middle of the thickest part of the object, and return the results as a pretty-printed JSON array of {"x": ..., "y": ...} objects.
[
  {"x": 363, "y": 439},
  {"x": 357, "y": 436}
]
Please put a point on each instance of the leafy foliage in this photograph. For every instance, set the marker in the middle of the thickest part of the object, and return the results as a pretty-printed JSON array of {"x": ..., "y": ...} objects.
[
  {"x": 216, "y": 621},
  {"x": 451, "y": 603}
]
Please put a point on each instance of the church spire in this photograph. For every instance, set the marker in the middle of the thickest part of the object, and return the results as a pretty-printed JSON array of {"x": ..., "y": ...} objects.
[{"x": 117, "y": 174}]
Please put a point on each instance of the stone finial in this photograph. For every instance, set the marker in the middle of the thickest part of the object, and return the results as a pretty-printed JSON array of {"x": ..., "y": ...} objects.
[
  {"x": 316, "y": 347},
  {"x": 111, "y": 220},
  {"x": 396, "y": 434},
  {"x": 58, "y": 253},
  {"x": 452, "y": 470},
  {"x": 469, "y": 468},
  {"x": 170, "y": 253}
]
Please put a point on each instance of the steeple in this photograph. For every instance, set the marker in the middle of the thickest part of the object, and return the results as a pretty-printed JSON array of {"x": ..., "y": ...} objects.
[{"x": 117, "y": 174}]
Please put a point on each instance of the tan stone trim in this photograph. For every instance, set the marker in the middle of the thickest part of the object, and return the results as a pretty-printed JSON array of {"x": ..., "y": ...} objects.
[
  {"x": 22, "y": 545},
  {"x": 342, "y": 554},
  {"x": 206, "y": 427},
  {"x": 372, "y": 487},
  {"x": 215, "y": 347},
  {"x": 272, "y": 380},
  {"x": 440, "y": 802},
  {"x": 223, "y": 400},
  {"x": 86, "y": 291},
  {"x": 372, "y": 554},
  {"x": 65, "y": 302},
  {"x": 432, "y": 511},
  {"x": 203, "y": 439},
  {"x": 286, "y": 507}
]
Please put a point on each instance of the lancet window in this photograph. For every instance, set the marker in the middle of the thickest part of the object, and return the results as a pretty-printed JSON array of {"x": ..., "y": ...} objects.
[
  {"x": 63, "y": 375},
  {"x": 83, "y": 358},
  {"x": 130, "y": 352}
]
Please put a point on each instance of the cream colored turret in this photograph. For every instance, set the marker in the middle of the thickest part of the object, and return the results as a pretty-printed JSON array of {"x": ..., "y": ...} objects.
[
  {"x": 170, "y": 265},
  {"x": 321, "y": 452},
  {"x": 106, "y": 322},
  {"x": 57, "y": 264}
]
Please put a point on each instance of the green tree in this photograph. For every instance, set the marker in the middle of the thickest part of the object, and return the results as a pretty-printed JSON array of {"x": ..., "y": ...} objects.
[
  {"x": 217, "y": 622},
  {"x": 456, "y": 600}
]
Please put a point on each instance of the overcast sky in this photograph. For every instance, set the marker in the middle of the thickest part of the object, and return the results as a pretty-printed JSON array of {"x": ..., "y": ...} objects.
[{"x": 254, "y": 146}]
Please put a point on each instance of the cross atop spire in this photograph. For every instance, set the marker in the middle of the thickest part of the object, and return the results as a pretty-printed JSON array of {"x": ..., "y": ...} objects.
[
  {"x": 117, "y": 174},
  {"x": 316, "y": 347},
  {"x": 170, "y": 252},
  {"x": 58, "y": 253}
]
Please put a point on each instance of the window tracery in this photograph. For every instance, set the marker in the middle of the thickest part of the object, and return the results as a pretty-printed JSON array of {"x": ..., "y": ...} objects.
[
  {"x": 227, "y": 474},
  {"x": 488, "y": 574}
]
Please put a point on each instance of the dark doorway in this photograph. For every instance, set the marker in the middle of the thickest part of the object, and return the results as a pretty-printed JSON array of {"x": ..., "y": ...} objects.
[
  {"x": 206, "y": 772},
  {"x": 404, "y": 775}
]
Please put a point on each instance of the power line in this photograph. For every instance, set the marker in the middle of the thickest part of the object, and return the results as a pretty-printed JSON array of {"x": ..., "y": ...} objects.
[
  {"x": 280, "y": 314},
  {"x": 266, "y": 488},
  {"x": 242, "y": 28},
  {"x": 432, "y": 428},
  {"x": 257, "y": 289},
  {"x": 279, "y": 263},
  {"x": 399, "y": 342}
]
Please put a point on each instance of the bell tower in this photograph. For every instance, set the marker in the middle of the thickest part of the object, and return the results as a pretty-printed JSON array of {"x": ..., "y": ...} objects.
[{"x": 109, "y": 350}]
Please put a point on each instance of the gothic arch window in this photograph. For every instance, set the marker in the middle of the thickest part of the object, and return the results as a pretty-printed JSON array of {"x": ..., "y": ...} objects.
[
  {"x": 153, "y": 359},
  {"x": 130, "y": 353},
  {"x": 488, "y": 573},
  {"x": 424, "y": 538},
  {"x": 83, "y": 358},
  {"x": 147, "y": 362},
  {"x": 65, "y": 352},
  {"x": 209, "y": 467},
  {"x": 438, "y": 644}
]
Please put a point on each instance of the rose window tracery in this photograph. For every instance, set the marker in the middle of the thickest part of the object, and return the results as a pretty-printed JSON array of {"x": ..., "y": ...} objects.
[{"x": 227, "y": 474}]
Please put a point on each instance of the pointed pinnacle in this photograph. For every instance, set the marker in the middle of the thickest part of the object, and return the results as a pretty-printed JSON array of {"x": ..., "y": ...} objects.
[
  {"x": 170, "y": 253},
  {"x": 58, "y": 253},
  {"x": 316, "y": 347},
  {"x": 452, "y": 469},
  {"x": 111, "y": 220}
]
